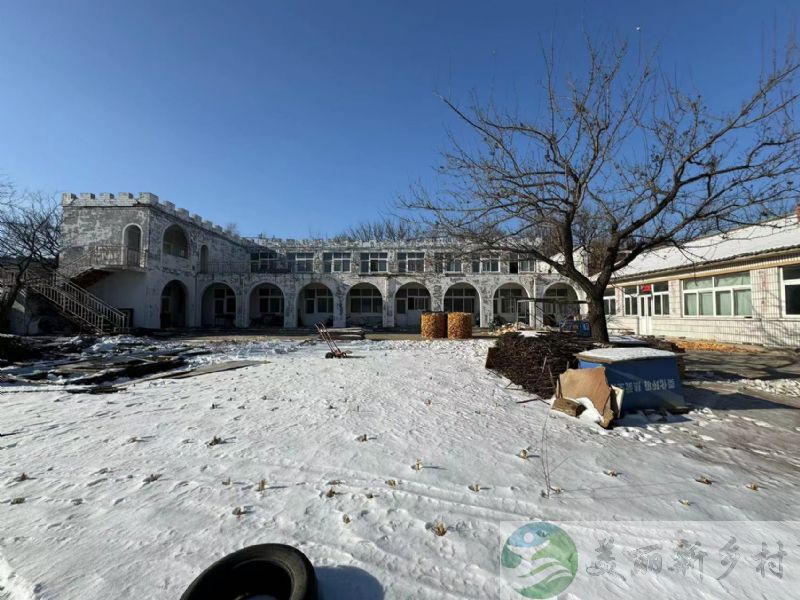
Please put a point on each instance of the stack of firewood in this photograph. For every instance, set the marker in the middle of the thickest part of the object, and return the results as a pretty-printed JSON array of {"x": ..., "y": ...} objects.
[
  {"x": 433, "y": 325},
  {"x": 459, "y": 325},
  {"x": 534, "y": 363}
]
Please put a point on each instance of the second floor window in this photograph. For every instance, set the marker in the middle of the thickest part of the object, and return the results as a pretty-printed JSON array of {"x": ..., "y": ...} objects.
[
  {"x": 265, "y": 261},
  {"x": 175, "y": 242},
  {"x": 487, "y": 264},
  {"x": 336, "y": 262},
  {"x": 410, "y": 262},
  {"x": 374, "y": 262},
  {"x": 444, "y": 262},
  {"x": 301, "y": 262},
  {"x": 519, "y": 263}
]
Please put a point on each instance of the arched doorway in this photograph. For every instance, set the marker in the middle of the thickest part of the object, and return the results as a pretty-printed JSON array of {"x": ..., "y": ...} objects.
[
  {"x": 315, "y": 305},
  {"x": 364, "y": 305},
  {"x": 266, "y": 306},
  {"x": 219, "y": 306},
  {"x": 506, "y": 306},
  {"x": 132, "y": 245},
  {"x": 411, "y": 300},
  {"x": 561, "y": 301},
  {"x": 173, "y": 305},
  {"x": 462, "y": 297}
]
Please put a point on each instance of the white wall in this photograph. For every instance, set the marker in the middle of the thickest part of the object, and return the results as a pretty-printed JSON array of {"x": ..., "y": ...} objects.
[{"x": 768, "y": 326}]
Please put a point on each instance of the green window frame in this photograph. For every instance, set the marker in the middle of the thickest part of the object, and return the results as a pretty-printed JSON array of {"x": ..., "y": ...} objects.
[{"x": 728, "y": 295}]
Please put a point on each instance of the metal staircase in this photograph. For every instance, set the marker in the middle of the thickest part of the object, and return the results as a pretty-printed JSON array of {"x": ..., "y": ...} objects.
[{"x": 77, "y": 304}]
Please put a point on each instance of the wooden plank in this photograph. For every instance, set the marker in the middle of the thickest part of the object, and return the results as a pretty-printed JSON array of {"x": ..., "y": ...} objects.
[{"x": 215, "y": 368}]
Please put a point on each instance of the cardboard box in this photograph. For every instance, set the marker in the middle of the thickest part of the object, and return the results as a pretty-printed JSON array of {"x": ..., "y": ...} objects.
[{"x": 586, "y": 383}]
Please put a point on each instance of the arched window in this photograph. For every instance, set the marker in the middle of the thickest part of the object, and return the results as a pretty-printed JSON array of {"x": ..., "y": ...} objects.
[{"x": 175, "y": 242}]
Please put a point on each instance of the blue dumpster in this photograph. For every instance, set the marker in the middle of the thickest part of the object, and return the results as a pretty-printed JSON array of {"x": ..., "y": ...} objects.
[{"x": 648, "y": 376}]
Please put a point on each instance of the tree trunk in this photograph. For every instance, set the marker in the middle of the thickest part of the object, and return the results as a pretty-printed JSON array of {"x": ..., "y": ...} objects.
[
  {"x": 597, "y": 318},
  {"x": 7, "y": 301}
]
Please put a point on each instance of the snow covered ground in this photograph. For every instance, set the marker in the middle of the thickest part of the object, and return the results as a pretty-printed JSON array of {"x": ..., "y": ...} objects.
[{"x": 125, "y": 497}]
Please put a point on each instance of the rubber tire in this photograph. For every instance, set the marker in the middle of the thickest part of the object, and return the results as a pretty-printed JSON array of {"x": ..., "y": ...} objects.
[
  {"x": 269, "y": 569},
  {"x": 329, "y": 355}
]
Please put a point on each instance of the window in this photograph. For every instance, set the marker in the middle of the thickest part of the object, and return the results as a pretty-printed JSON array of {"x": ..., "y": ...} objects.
[
  {"x": 204, "y": 259},
  {"x": 374, "y": 262},
  {"x": 486, "y": 264},
  {"x": 411, "y": 262},
  {"x": 366, "y": 300},
  {"x": 412, "y": 298},
  {"x": 517, "y": 263},
  {"x": 722, "y": 296},
  {"x": 301, "y": 262},
  {"x": 270, "y": 301},
  {"x": 318, "y": 300},
  {"x": 336, "y": 262},
  {"x": 175, "y": 242},
  {"x": 629, "y": 295},
  {"x": 224, "y": 301},
  {"x": 505, "y": 300},
  {"x": 264, "y": 261},
  {"x": 445, "y": 262},
  {"x": 610, "y": 301},
  {"x": 660, "y": 299},
  {"x": 460, "y": 300},
  {"x": 791, "y": 289}
]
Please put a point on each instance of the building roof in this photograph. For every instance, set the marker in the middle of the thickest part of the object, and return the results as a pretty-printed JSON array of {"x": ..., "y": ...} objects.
[{"x": 770, "y": 236}]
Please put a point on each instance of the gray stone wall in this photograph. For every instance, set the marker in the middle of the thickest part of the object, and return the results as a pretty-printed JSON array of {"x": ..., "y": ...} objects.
[{"x": 101, "y": 220}]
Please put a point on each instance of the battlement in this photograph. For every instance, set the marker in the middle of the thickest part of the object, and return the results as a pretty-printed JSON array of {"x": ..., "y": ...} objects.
[
  {"x": 340, "y": 243},
  {"x": 127, "y": 199}
]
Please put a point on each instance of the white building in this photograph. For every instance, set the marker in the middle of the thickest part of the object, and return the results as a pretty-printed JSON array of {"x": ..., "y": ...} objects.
[
  {"x": 742, "y": 286},
  {"x": 164, "y": 267}
]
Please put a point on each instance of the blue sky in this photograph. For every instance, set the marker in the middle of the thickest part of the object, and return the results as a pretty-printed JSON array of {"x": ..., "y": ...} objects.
[{"x": 298, "y": 118}]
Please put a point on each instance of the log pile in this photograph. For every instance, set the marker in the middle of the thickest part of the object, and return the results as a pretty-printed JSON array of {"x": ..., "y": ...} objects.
[
  {"x": 511, "y": 327},
  {"x": 459, "y": 325},
  {"x": 714, "y": 346},
  {"x": 534, "y": 363},
  {"x": 433, "y": 325}
]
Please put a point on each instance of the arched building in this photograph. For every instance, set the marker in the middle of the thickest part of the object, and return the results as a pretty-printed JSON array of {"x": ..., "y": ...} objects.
[{"x": 166, "y": 268}]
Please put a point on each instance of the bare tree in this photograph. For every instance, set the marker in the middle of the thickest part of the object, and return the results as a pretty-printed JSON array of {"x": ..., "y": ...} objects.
[
  {"x": 232, "y": 229},
  {"x": 30, "y": 226},
  {"x": 385, "y": 230},
  {"x": 620, "y": 161}
]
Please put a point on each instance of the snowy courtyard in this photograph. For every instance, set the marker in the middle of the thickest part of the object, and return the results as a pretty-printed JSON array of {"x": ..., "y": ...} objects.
[{"x": 400, "y": 472}]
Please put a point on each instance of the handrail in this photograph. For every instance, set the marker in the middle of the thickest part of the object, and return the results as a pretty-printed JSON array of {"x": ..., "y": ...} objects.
[{"x": 73, "y": 300}]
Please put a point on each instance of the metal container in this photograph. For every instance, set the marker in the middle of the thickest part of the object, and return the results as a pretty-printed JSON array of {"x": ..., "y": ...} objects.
[{"x": 649, "y": 377}]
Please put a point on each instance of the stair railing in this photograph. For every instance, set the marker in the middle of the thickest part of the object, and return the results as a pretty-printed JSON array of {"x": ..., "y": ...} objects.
[{"x": 74, "y": 301}]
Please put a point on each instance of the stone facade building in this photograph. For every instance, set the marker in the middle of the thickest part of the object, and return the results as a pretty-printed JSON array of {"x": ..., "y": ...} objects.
[{"x": 165, "y": 267}]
